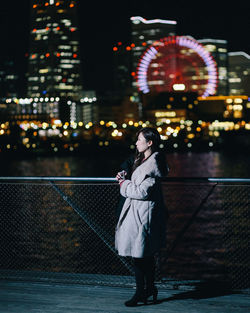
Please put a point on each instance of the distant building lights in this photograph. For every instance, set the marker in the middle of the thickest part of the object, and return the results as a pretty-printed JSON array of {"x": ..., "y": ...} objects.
[
  {"x": 46, "y": 4},
  {"x": 115, "y": 48}
]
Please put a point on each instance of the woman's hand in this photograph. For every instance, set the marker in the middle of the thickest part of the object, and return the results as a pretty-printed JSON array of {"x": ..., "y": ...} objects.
[{"x": 121, "y": 176}]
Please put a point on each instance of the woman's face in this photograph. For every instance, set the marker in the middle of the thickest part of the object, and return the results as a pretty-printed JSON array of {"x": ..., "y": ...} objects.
[{"x": 141, "y": 144}]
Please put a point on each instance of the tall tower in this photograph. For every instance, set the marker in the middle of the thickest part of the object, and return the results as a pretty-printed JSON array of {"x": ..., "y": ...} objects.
[
  {"x": 239, "y": 73},
  {"x": 218, "y": 49},
  {"x": 54, "y": 58},
  {"x": 145, "y": 32}
]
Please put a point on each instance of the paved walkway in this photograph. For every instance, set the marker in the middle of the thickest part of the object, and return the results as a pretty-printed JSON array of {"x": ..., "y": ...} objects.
[{"x": 29, "y": 297}]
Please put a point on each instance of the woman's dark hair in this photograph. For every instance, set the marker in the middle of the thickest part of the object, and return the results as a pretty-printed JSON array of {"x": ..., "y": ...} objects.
[{"x": 149, "y": 133}]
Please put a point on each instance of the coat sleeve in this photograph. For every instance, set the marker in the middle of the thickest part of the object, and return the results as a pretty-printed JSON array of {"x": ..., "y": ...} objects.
[{"x": 138, "y": 192}]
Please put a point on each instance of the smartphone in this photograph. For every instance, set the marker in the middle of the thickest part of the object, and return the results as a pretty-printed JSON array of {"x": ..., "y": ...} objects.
[{"x": 123, "y": 173}]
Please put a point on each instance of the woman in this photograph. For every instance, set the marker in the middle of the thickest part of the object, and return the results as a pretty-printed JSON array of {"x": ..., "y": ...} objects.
[{"x": 140, "y": 231}]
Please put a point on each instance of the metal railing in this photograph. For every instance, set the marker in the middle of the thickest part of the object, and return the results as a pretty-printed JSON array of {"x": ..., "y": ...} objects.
[{"x": 62, "y": 228}]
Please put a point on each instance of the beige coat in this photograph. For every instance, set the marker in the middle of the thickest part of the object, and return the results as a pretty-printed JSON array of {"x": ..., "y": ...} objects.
[{"x": 141, "y": 228}]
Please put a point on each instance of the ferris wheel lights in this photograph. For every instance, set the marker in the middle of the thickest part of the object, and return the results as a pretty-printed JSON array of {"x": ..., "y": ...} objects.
[{"x": 182, "y": 41}]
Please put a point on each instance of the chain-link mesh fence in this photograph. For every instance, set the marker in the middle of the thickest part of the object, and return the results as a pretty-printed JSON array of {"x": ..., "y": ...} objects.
[{"x": 65, "y": 232}]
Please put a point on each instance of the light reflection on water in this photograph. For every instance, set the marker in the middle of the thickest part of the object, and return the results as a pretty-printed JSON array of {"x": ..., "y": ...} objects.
[{"x": 190, "y": 164}]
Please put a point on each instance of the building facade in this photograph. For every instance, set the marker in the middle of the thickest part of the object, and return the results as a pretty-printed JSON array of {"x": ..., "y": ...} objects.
[
  {"x": 239, "y": 73},
  {"x": 54, "y": 58},
  {"x": 218, "y": 49},
  {"x": 9, "y": 79},
  {"x": 145, "y": 32}
]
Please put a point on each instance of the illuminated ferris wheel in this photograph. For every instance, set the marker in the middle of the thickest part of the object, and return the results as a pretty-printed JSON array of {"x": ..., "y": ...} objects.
[{"x": 177, "y": 63}]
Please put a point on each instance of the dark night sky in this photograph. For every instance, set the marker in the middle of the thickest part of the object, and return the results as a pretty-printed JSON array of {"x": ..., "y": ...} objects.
[{"x": 103, "y": 23}]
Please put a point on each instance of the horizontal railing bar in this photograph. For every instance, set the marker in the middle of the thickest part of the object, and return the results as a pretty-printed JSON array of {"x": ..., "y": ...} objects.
[
  {"x": 112, "y": 179},
  {"x": 57, "y": 178}
]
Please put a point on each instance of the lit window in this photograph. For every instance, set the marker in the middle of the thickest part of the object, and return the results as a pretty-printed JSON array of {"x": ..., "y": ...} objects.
[
  {"x": 64, "y": 47},
  {"x": 43, "y": 70}
]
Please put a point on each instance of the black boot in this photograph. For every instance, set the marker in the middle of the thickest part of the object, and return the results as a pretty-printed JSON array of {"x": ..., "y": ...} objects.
[
  {"x": 151, "y": 289},
  {"x": 140, "y": 295}
]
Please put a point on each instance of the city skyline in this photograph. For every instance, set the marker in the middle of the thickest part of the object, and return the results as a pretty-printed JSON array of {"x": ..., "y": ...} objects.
[{"x": 98, "y": 33}]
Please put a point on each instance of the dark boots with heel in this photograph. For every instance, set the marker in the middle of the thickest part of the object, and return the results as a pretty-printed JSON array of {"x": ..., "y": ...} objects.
[
  {"x": 151, "y": 289},
  {"x": 144, "y": 273},
  {"x": 140, "y": 295}
]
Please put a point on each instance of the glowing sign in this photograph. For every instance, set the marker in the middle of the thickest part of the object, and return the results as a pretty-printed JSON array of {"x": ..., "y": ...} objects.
[
  {"x": 138, "y": 19},
  {"x": 179, "y": 87}
]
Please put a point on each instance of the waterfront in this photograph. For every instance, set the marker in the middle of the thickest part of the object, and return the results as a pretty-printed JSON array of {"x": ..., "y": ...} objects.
[
  {"x": 69, "y": 228},
  {"x": 106, "y": 164}
]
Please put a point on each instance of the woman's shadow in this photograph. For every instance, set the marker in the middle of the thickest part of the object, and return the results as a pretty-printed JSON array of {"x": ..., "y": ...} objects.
[{"x": 203, "y": 290}]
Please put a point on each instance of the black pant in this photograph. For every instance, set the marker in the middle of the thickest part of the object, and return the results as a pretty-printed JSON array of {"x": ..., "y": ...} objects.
[{"x": 144, "y": 273}]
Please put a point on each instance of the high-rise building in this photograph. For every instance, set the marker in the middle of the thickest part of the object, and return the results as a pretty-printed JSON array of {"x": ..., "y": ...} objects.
[
  {"x": 218, "y": 49},
  {"x": 239, "y": 73},
  {"x": 9, "y": 79},
  {"x": 145, "y": 32},
  {"x": 54, "y": 58}
]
